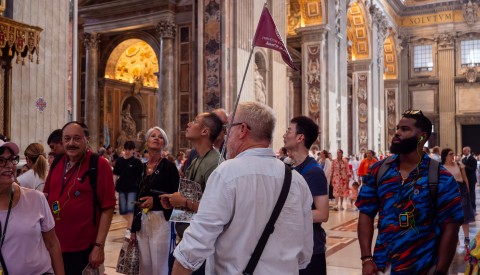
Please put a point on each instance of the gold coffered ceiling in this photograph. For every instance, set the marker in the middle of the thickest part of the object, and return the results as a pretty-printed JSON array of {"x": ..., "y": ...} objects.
[
  {"x": 303, "y": 13},
  {"x": 357, "y": 32},
  {"x": 389, "y": 59}
]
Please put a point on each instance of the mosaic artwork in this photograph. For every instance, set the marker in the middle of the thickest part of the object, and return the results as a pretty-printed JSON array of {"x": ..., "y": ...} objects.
[{"x": 212, "y": 52}]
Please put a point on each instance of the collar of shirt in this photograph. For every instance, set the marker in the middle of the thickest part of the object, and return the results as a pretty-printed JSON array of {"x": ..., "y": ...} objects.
[
  {"x": 395, "y": 162},
  {"x": 257, "y": 152}
]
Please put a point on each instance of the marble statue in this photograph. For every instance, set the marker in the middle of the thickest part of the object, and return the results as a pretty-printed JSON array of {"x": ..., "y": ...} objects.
[{"x": 260, "y": 95}]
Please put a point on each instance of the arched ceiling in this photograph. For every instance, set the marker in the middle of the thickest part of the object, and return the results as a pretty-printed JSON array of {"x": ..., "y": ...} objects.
[
  {"x": 133, "y": 60},
  {"x": 389, "y": 58},
  {"x": 357, "y": 32},
  {"x": 303, "y": 13}
]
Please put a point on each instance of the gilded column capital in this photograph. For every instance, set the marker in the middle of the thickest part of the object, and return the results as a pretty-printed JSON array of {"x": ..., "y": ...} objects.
[
  {"x": 166, "y": 29},
  {"x": 91, "y": 40},
  {"x": 446, "y": 41}
]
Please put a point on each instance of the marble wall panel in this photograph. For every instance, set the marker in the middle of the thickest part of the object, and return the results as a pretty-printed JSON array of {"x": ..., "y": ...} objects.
[
  {"x": 313, "y": 81},
  {"x": 362, "y": 110},
  {"x": 424, "y": 100},
  {"x": 468, "y": 99},
  {"x": 391, "y": 112}
]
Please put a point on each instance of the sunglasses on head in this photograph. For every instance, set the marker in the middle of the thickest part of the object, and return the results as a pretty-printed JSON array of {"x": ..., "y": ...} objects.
[{"x": 412, "y": 113}]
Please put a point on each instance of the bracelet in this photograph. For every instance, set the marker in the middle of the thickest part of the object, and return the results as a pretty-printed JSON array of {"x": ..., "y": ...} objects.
[
  {"x": 367, "y": 259},
  {"x": 364, "y": 257},
  {"x": 101, "y": 245}
]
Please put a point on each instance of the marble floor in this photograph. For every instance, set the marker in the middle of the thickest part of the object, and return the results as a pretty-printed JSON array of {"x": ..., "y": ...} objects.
[{"x": 343, "y": 251}]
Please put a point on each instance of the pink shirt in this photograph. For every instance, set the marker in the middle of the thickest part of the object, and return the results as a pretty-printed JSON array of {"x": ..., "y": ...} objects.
[{"x": 23, "y": 249}]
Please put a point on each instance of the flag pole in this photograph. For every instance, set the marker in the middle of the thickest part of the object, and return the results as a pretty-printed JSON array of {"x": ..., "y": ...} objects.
[{"x": 236, "y": 103}]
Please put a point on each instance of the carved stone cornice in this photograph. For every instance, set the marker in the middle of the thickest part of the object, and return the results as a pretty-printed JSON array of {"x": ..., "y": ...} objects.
[
  {"x": 470, "y": 13},
  {"x": 166, "y": 29},
  {"x": 91, "y": 40},
  {"x": 446, "y": 41}
]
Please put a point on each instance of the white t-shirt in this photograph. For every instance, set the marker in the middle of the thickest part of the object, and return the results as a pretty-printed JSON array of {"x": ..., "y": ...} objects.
[
  {"x": 31, "y": 180},
  {"x": 23, "y": 249}
]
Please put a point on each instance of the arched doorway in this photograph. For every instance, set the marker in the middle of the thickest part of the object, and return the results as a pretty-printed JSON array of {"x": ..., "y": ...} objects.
[{"x": 129, "y": 88}]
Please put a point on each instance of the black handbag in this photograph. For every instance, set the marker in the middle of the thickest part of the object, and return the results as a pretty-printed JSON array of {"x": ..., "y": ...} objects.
[{"x": 270, "y": 227}]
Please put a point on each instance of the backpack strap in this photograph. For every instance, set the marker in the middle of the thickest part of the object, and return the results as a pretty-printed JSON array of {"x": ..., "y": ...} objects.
[
  {"x": 92, "y": 174},
  {"x": 55, "y": 161},
  {"x": 433, "y": 171},
  {"x": 308, "y": 167},
  {"x": 383, "y": 169}
]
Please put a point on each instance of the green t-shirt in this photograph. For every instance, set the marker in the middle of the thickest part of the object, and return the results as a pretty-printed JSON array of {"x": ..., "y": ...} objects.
[{"x": 201, "y": 168}]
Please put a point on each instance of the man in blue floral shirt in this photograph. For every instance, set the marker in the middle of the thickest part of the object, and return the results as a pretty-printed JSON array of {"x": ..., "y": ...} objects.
[{"x": 417, "y": 228}]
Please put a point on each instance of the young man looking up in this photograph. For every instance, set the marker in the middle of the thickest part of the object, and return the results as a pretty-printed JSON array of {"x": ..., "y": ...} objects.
[{"x": 300, "y": 135}]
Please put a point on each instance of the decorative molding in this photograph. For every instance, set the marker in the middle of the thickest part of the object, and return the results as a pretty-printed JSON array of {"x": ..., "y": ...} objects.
[
  {"x": 166, "y": 29},
  {"x": 471, "y": 74},
  {"x": 362, "y": 110},
  {"x": 313, "y": 81},
  {"x": 470, "y": 13},
  {"x": 446, "y": 41},
  {"x": 20, "y": 39},
  {"x": 91, "y": 41}
]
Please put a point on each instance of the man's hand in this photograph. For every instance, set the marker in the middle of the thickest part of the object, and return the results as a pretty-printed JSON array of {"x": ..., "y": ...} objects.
[
  {"x": 177, "y": 200},
  {"x": 165, "y": 201},
  {"x": 97, "y": 257},
  {"x": 369, "y": 268}
]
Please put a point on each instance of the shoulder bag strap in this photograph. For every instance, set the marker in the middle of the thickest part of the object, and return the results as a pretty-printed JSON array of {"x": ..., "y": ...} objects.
[
  {"x": 270, "y": 227},
  {"x": 4, "y": 266}
]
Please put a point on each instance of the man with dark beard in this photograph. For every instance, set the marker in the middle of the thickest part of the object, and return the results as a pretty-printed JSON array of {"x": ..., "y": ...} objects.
[{"x": 418, "y": 220}]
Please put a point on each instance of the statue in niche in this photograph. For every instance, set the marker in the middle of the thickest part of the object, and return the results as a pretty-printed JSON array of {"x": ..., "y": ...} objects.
[
  {"x": 138, "y": 84},
  {"x": 128, "y": 123},
  {"x": 260, "y": 95}
]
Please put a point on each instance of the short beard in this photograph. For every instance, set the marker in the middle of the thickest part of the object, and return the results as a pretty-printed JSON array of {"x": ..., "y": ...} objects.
[{"x": 405, "y": 146}]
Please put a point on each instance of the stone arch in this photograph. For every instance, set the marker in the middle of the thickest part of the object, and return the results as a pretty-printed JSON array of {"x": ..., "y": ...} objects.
[
  {"x": 357, "y": 32},
  {"x": 260, "y": 77},
  {"x": 390, "y": 58}
]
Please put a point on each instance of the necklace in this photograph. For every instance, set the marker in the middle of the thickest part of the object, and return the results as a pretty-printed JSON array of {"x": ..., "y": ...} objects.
[{"x": 152, "y": 166}]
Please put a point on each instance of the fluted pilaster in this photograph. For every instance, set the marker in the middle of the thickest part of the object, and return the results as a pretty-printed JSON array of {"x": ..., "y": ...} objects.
[{"x": 446, "y": 73}]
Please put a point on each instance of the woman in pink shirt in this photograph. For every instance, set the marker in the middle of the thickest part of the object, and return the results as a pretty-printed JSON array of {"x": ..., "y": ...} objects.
[{"x": 27, "y": 235}]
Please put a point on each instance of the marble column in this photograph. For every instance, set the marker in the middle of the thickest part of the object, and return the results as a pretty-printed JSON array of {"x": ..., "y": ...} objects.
[
  {"x": 167, "y": 96},
  {"x": 381, "y": 23},
  {"x": 91, "y": 42},
  {"x": 446, "y": 85},
  {"x": 313, "y": 73}
]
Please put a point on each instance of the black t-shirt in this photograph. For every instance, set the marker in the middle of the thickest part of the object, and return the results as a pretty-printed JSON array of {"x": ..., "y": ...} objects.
[
  {"x": 317, "y": 182},
  {"x": 130, "y": 171}
]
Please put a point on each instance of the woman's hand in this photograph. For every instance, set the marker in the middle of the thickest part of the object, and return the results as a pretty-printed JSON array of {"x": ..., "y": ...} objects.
[
  {"x": 147, "y": 202},
  {"x": 177, "y": 200}
]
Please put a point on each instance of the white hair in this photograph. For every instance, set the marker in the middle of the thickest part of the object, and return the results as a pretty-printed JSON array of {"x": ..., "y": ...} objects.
[
  {"x": 260, "y": 118},
  {"x": 162, "y": 132}
]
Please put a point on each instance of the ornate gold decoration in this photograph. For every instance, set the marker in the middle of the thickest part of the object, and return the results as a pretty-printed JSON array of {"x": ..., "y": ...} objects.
[
  {"x": 138, "y": 64},
  {"x": 311, "y": 12},
  {"x": 390, "y": 58},
  {"x": 20, "y": 39},
  {"x": 357, "y": 32}
]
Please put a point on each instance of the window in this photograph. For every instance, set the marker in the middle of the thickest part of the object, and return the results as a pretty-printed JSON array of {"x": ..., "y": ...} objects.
[
  {"x": 422, "y": 59},
  {"x": 470, "y": 50}
]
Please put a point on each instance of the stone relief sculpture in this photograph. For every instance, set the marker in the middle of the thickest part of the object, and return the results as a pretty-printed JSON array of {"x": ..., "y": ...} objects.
[
  {"x": 260, "y": 95},
  {"x": 470, "y": 13},
  {"x": 313, "y": 71},
  {"x": 314, "y": 99}
]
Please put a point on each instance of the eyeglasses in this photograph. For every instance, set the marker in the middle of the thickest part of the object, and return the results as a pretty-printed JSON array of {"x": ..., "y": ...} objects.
[
  {"x": 76, "y": 139},
  {"x": 13, "y": 159},
  {"x": 235, "y": 124},
  {"x": 412, "y": 113}
]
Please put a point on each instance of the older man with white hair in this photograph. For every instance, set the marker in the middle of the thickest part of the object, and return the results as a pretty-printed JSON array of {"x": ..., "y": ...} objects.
[{"x": 238, "y": 202}]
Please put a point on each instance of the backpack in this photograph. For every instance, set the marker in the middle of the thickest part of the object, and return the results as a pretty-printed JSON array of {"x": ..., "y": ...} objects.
[
  {"x": 433, "y": 171},
  {"x": 92, "y": 173}
]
